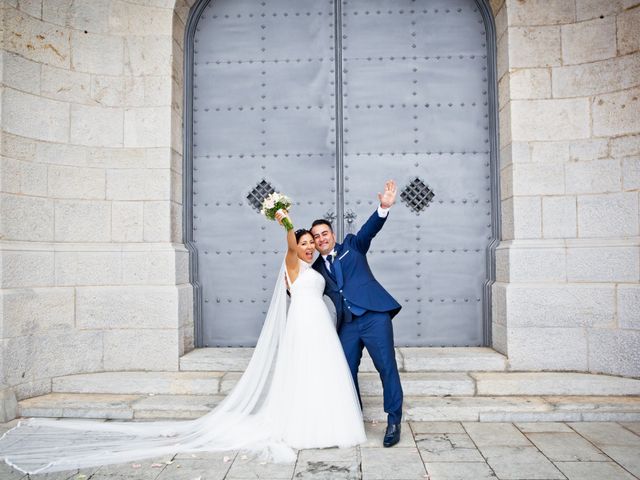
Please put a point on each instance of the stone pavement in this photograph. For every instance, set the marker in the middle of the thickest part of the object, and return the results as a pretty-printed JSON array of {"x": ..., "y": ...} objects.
[{"x": 427, "y": 450}]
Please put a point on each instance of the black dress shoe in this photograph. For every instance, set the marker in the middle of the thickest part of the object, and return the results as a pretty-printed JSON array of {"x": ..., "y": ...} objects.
[{"x": 392, "y": 435}]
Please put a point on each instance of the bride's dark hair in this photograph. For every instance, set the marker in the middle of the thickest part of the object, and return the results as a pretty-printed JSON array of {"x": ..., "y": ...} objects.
[{"x": 301, "y": 233}]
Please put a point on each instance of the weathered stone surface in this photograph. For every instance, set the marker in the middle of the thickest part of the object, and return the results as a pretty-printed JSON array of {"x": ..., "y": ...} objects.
[
  {"x": 596, "y": 77},
  {"x": 174, "y": 406},
  {"x": 628, "y": 32},
  {"x": 26, "y": 218},
  {"x": 554, "y": 349},
  {"x": 76, "y": 182},
  {"x": 530, "y": 83},
  {"x": 544, "y": 120},
  {"x": 603, "y": 263},
  {"x": 560, "y": 305},
  {"x": 83, "y": 221},
  {"x": 589, "y": 41},
  {"x": 39, "y": 41},
  {"x": 61, "y": 352},
  {"x": 527, "y": 217},
  {"x": 149, "y": 268},
  {"x": 551, "y": 152},
  {"x": 157, "y": 222},
  {"x": 541, "y": 12},
  {"x": 81, "y": 406},
  {"x": 614, "y": 351},
  {"x": 559, "y": 217},
  {"x": 530, "y": 427},
  {"x": 107, "y": 307},
  {"x": 595, "y": 470},
  {"x": 27, "y": 268},
  {"x": 616, "y": 113},
  {"x": 126, "y": 221},
  {"x": 90, "y": 15},
  {"x": 513, "y": 462},
  {"x": 141, "y": 349},
  {"x": 598, "y": 176},
  {"x": 99, "y": 54},
  {"x": 450, "y": 359},
  {"x": 35, "y": 311},
  {"x": 148, "y": 55},
  {"x": 447, "y": 447},
  {"x": 538, "y": 179},
  {"x": 459, "y": 470},
  {"x": 96, "y": 126},
  {"x": 531, "y": 47},
  {"x": 396, "y": 463},
  {"x": 134, "y": 19},
  {"x": 553, "y": 383},
  {"x": 631, "y": 173},
  {"x": 629, "y": 306},
  {"x": 65, "y": 85},
  {"x": 495, "y": 434},
  {"x": 138, "y": 184},
  {"x": 588, "y": 9},
  {"x": 35, "y": 117},
  {"x": 147, "y": 127},
  {"x": 166, "y": 383},
  {"x": 608, "y": 215},
  {"x": 88, "y": 268},
  {"x": 8, "y": 404},
  {"x": 21, "y": 73},
  {"x": 23, "y": 177},
  {"x": 432, "y": 383},
  {"x": 536, "y": 263}
]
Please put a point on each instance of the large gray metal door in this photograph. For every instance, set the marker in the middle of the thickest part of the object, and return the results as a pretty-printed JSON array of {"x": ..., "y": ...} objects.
[{"x": 286, "y": 99}]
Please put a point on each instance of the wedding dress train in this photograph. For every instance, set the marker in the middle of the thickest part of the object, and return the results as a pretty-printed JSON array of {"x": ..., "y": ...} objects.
[{"x": 296, "y": 392}]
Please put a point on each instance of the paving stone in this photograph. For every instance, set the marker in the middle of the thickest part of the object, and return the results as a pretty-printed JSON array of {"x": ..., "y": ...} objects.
[
  {"x": 633, "y": 426},
  {"x": 627, "y": 457},
  {"x": 375, "y": 434},
  {"x": 128, "y": 470},
  {"x": 436, "y": 427},
  {"x": 447, "y": 447},
  {"x": 459, "y": 471},
  {"x": 192, "y": 469},
  {"x": 328, "y": 454},
  {"x": 245, "y": 466},
  {"x": 527, "y": 427},
  {"x": 514, "y": 463},
  {"x": 566, "y": 447},
  {"x": 326, "y": 470},
  {"x": 391, "y": 463},
  {"x": 601, "y": 434},
  {"x": 495, "y": 434},
  {"x": 79, "y": 405},
  {"x": 593, "y": 471}
]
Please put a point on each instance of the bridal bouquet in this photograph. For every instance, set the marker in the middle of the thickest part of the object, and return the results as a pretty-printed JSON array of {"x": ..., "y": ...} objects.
[{"x": 276, "y": 201}]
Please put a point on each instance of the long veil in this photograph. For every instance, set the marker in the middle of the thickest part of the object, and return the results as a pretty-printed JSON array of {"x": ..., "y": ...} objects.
[{"x": 240, "y": 422}]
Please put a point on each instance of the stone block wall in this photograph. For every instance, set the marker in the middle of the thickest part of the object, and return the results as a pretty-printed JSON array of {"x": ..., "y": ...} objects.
[
  {"x": 94, "y": 274},
  {"x": 567, "y": 295}
]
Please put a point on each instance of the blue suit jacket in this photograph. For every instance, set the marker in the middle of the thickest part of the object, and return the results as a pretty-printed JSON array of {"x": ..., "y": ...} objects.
[{"x": 354, "y": 279}]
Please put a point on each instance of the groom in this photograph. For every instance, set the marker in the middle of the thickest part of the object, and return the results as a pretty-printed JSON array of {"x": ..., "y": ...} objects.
[{"x": 364, "y": 308}]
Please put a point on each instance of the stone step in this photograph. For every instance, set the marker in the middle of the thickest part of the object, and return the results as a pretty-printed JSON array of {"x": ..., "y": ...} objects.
[
  {"x": 417, "y": 408},
  {"x": 212, "y": 383},
  {"x": 453, "y": 359},
  {"x": 413, "y": 383}
]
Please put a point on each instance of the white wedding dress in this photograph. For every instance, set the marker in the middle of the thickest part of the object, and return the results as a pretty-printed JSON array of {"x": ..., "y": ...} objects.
[{"x": 297, "y": 392}]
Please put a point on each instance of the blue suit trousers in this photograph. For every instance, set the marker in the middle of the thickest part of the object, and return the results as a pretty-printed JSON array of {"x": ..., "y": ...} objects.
[{"x": 374, "y": 330}]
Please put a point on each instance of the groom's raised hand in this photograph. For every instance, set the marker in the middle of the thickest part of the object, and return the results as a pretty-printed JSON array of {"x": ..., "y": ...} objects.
[{"x": 388, "y": 198}]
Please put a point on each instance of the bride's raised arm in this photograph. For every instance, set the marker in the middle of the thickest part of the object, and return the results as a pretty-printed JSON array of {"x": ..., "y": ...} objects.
[{"x": 291, "y": 260}]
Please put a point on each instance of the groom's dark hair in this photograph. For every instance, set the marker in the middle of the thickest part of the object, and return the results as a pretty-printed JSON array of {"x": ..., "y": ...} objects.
[{"x": 322, "y": 221}]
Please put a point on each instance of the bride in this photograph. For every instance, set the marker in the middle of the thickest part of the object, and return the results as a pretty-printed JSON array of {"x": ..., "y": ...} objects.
[{"x": 297, "y": 392}]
